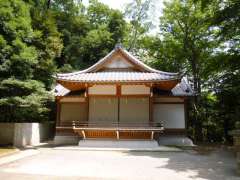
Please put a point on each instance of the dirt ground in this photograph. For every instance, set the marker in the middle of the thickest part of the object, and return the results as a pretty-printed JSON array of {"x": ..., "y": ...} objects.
[{"x": 199, "y": 164}]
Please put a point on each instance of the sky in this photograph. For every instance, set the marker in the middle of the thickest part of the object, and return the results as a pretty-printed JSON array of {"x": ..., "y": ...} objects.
[{"x": 120, "y": 4}]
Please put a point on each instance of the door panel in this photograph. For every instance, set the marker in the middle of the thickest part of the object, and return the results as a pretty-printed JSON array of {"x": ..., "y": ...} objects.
[
  {"x": 103, "y": 110},
  {"x": 134, "y": 110}
]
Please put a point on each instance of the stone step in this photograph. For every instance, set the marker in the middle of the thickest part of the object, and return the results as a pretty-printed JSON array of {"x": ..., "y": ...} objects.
[{"x": 118, "y": 143}]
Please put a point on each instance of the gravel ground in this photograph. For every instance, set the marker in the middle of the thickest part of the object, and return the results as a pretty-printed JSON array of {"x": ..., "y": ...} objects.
[{"x": 75, "y": 164}]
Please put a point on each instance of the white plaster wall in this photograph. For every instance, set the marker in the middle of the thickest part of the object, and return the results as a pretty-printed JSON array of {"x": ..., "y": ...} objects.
[
  {"x": 31, "y": 133},
  {"x": 135, "y": 89},
  {"x": 26, "y": 134},
  {"x": 172, "y": 115},
  {"x": 165, "y": 99},
  {"x": 118, "y": 62},
  {"x": 102, "y": 89}
]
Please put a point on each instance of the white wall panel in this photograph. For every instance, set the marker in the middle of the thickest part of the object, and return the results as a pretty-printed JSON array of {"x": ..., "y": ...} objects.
[
  {"x": 135, "y": 89},
  {"x": 102, "y": 89},
  {"x": 172, "y": 115}
]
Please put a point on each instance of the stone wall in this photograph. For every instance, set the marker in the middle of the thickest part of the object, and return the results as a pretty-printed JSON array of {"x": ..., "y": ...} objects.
[{"x": 23, "y": 134}]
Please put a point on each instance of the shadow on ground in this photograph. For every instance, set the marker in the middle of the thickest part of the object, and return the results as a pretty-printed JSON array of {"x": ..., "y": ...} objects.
[{"x": 217, "y": 164}]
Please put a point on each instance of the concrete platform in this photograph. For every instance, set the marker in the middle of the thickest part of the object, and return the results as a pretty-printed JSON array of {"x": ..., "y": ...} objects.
[
  {"x": 119, "y": 145},
  {"x": 66, "y": 140}
]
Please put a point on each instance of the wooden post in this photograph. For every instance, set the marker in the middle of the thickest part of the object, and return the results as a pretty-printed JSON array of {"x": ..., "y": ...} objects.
[
  {"x": 151, "y": 106},
  {"x": 118, "y": 97},
  {"x": 87, "y": 101},
  {"x": 58, "y": 112}
]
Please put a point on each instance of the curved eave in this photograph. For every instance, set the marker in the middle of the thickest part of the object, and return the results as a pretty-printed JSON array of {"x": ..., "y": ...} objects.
[
  {"x": 132, "y": 59},
  {"x": 76, "y": 85}
]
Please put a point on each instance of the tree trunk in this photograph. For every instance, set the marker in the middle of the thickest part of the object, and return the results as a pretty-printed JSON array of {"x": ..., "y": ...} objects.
[
  {"x": 197, "y": 89},
  {"x": 48, "y": 4}
]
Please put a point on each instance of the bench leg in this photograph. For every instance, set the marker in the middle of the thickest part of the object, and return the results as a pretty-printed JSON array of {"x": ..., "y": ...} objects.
[
  {"x": 117, "y": 135},
  {"x": 84, "y": 135},
  {"x": 152, "y": 135}
]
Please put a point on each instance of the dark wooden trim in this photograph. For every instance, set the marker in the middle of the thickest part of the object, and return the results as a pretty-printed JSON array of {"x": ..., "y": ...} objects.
[
  {"x": 135, "y": 95},
  {"x": 73, "y": 102},
  {"x": 102, "y": 95},
  {"x": 59, "y": 113},
  {"x": 87, "y": 100},
  {"x": 167, "y": 96},
  {"x": 118, "y": 90},
  {"x": 168, "y": 102},
  {"x": 151, "y": 106},
  {"x": 186, "y": 113},
  {"x": 130, "y": 95},
  {"x": 72, "y": 96}
]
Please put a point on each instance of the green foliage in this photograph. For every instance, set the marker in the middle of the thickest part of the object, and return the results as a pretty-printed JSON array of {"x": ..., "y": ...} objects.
[
  {"x": 25, "y": 49},
  {"x": 139, "y": 14},
  {"x": 96, "y": 28}
]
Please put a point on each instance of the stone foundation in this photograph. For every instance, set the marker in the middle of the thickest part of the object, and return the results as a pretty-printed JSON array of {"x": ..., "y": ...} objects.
[
  {"x": 66, "y": 140},
  {"x": 175, "y": 140}
]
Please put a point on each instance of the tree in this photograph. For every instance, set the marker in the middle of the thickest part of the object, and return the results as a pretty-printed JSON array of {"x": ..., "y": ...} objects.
[
  {"x": 47, "y": 41},
  {"x": 138, "y": 13},
  {"x": 22, "y": 98},
  {"x": 184, "y": 24},
  {"x": 96, "y": 28}
]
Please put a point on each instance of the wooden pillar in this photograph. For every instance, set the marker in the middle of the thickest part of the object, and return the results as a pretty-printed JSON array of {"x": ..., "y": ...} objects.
[
  {"x": 58, "y": 112},
  {"x": 186, "y": 112},
  {"x": 151, "y": 106},
  {"x": 118, "y": 97},
  {"x": 87, "y": 101}
]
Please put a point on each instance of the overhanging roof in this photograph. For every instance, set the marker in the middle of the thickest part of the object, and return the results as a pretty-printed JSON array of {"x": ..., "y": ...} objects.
[
  {"x": 181, "y": 89},
  {"x": 107, "y": 77},
  {"x": 92, "y": 74}
]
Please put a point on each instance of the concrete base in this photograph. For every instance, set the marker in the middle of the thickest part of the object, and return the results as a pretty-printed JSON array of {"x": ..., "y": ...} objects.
[
  {"x": 66, "y": 140},
  {"x": 175, "y": 140},
  {"x": 118, "y": 143}
]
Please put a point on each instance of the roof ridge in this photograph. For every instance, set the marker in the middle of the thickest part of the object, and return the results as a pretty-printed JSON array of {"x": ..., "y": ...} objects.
[{"x": 128, "y": 54}]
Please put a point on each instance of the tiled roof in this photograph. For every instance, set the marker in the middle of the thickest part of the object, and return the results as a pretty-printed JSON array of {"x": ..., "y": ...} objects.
[
  {"x": 183, "y": 88},
  {"x": 60, "y": 90},
  {"x": 91, "y": 74},
  {"x": 117, "y": 77}
]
